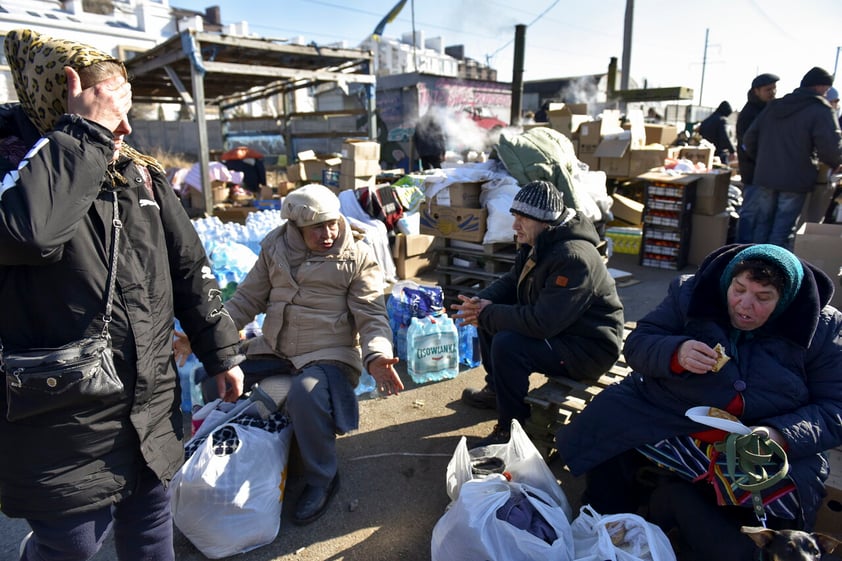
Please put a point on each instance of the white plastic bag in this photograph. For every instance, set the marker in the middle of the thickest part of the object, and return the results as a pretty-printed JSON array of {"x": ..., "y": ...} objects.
[
  {"x": 232, "y": 503},
  {"x": 520, "y": 458},
  {"x": 636, "y": 539},
  {"x": 470, "y": 529}
]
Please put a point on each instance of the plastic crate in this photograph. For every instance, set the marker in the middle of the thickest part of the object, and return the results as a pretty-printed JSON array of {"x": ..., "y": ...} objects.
[{"x": 267, "y": 204}]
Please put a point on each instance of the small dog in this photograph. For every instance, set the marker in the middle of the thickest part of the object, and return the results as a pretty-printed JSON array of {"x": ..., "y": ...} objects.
[{"x": 791, "y": 545}]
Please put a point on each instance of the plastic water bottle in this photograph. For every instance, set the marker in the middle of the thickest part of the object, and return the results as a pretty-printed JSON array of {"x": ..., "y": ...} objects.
[
  {"x": 367, "y": 384},
  {"x": 432, "y": 348},
  {"x": 185, "y": 376},
  {"x": 469, "y": 345}
]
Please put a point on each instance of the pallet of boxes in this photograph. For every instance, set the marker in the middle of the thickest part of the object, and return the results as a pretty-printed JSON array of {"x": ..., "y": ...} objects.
[{"x": 453, "y": 214}]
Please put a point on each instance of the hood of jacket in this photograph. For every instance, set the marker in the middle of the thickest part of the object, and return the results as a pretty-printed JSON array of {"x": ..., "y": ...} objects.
[
  {"x": 797, "y": 322},
  {"x": 573, "y": 226},
  {"x": 794, "y": 102}
]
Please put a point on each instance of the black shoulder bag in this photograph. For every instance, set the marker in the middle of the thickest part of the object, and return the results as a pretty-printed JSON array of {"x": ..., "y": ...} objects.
[{"x": 70, "y": 377}]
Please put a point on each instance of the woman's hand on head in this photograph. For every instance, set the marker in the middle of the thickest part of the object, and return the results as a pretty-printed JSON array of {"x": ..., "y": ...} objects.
[{"x": 106, "y": 103}]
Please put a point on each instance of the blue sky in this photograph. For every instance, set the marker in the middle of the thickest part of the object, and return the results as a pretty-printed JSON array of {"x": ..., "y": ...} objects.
[{"x": 575, "y": 37}]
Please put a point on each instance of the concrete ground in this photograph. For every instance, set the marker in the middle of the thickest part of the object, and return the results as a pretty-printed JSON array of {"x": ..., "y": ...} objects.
[{"x": 393, "y": 468}]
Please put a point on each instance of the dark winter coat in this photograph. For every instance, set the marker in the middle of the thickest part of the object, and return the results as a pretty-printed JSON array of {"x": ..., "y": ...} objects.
[
  {"x": 754, "y": 105},
  {"x": 786, "y": 135},
  {"x": 568, "y": 298},
  {"x": 789, "y": 373},
  {"x": 715, "y": 129},
  {"x": 55, "y": 231}
]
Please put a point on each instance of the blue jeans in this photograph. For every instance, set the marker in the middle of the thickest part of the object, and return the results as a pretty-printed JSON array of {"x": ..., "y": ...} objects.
[
  {"x": 769, "y": 216},
  {"x": 142, "y": 525},
  {"x": 509, "y": 358}
]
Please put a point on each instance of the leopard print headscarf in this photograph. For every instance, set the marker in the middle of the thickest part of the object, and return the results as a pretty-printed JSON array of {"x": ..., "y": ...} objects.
[{"x": 37, "y": 63}]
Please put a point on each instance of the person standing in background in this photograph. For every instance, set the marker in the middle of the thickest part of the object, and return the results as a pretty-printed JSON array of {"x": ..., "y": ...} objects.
[
  {"x": 714, "y": 129},
  {"x": 430, "y": 141},
  {"x": 70, "y": 180},
  {"x": 764, "y": 87},
  {"x": 783, "y": 141},
  {"x": 832, "y": 96}
]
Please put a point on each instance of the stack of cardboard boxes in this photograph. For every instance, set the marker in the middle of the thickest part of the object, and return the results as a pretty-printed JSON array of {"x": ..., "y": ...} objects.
[
  {"x": 712, "y": 224},
  {"x": 821, "y": 245},
  {"x": 360, "y": 164},
  {"x": 455, "y": 213},
  {"x": 311, "y": 168}
]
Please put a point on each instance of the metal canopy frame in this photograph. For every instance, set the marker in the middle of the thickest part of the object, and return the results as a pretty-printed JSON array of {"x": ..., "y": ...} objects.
[{"x": 200, "y": 69}]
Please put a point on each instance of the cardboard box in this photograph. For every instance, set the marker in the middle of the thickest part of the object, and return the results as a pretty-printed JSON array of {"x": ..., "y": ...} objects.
[
  {"x": 625, "y": 240},
  {"x": 455, "y": 223},
  {"x": 350, "y": 182},
  {"x": 353, "y": 149},
  {"x": 413, "y": 254},
  {"x": 359, "y": 168},
  {"x": 821, "y": 245},
  {"x": 464, "y": 194},
  {"x": 614, "y": 157},
  {"x": 834, "y": 458},
  {"x": 697, "y": 155},
  {"x": 829, "y": 517},
  {"x": 644, "y": 159},
  {"x": 712, "y": 191},
  {"x": 567, "y": 117},
  {"x": 627, "y": 210},
  {"x": 660, "y": 134},
  {"x": 707, "y": 233},
  {"x": 591, "y": 132}
]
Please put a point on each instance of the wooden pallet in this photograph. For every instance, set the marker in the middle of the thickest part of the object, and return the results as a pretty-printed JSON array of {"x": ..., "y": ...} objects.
[{"x": 560, "y": 399}]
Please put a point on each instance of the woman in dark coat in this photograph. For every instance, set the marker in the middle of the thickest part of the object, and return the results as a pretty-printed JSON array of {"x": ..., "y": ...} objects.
[
  {"x": 76, "y": 472},
  {"x": 770, "y": 312}
]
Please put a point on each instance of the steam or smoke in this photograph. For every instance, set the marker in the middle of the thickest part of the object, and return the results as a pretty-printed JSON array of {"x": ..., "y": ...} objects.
[{"x": 462, "y": 132}]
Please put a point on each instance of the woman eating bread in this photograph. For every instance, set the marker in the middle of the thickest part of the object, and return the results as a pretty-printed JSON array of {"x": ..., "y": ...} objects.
[{"x": 778, "y": 371}]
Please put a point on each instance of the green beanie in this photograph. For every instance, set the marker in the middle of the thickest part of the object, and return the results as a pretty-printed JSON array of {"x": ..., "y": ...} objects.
[{"x": 775, "y": 255}]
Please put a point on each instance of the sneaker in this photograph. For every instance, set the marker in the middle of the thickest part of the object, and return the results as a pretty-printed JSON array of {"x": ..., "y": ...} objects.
[
  {"x": 497, "y": 436},
  {"x": 486, "y": 398},
  {"x": 23, "y": 543}
]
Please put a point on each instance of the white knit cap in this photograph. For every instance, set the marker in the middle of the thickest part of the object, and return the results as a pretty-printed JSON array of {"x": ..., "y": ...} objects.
[
  {"x": 310, "y": 204},
  {"x": 539, "y": 200}
]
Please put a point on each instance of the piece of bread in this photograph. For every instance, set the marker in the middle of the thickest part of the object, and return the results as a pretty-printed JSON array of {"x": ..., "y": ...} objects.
[
  {"x": 721, "y": 358},
  {"x": 617, "y": 532},
  {"x": 721, "y": 414}
]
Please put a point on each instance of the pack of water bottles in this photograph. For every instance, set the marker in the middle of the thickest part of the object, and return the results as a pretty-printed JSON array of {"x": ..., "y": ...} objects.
[
  {"x": 410, "y": 299},
  {"x": 432, "y": 349}
]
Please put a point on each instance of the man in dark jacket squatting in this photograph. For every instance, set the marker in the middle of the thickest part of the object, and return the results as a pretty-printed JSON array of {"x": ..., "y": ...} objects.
[{"x": 556, "y": 311}]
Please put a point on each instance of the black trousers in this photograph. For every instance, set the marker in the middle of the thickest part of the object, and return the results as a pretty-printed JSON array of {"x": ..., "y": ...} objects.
[{"x": 698, "y": 527}]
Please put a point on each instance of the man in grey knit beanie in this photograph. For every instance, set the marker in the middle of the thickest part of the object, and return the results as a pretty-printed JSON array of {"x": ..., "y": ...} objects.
[{"x": 556, "y": 311}]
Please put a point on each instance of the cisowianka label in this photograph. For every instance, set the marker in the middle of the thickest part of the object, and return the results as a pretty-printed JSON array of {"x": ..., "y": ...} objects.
[{"x": 435, "y": 352}]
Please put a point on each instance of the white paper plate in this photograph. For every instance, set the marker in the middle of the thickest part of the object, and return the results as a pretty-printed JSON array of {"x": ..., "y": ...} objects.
[{"x": 700, "y": 415}]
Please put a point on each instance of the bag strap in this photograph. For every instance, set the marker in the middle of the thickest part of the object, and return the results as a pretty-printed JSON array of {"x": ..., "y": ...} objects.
[
  {"x": 116, "y": 226},
  {"x": 754, "y": 452}
]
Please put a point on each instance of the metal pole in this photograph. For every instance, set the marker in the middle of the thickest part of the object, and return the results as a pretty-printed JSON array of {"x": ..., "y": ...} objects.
[
  {"x": 627, "y": 42},
  {"x": 836, "y": 64},
  {"x": 414, "y": 48},
  {"x": 517, "y": 74},
  {"x": 704, "y": 63}
]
